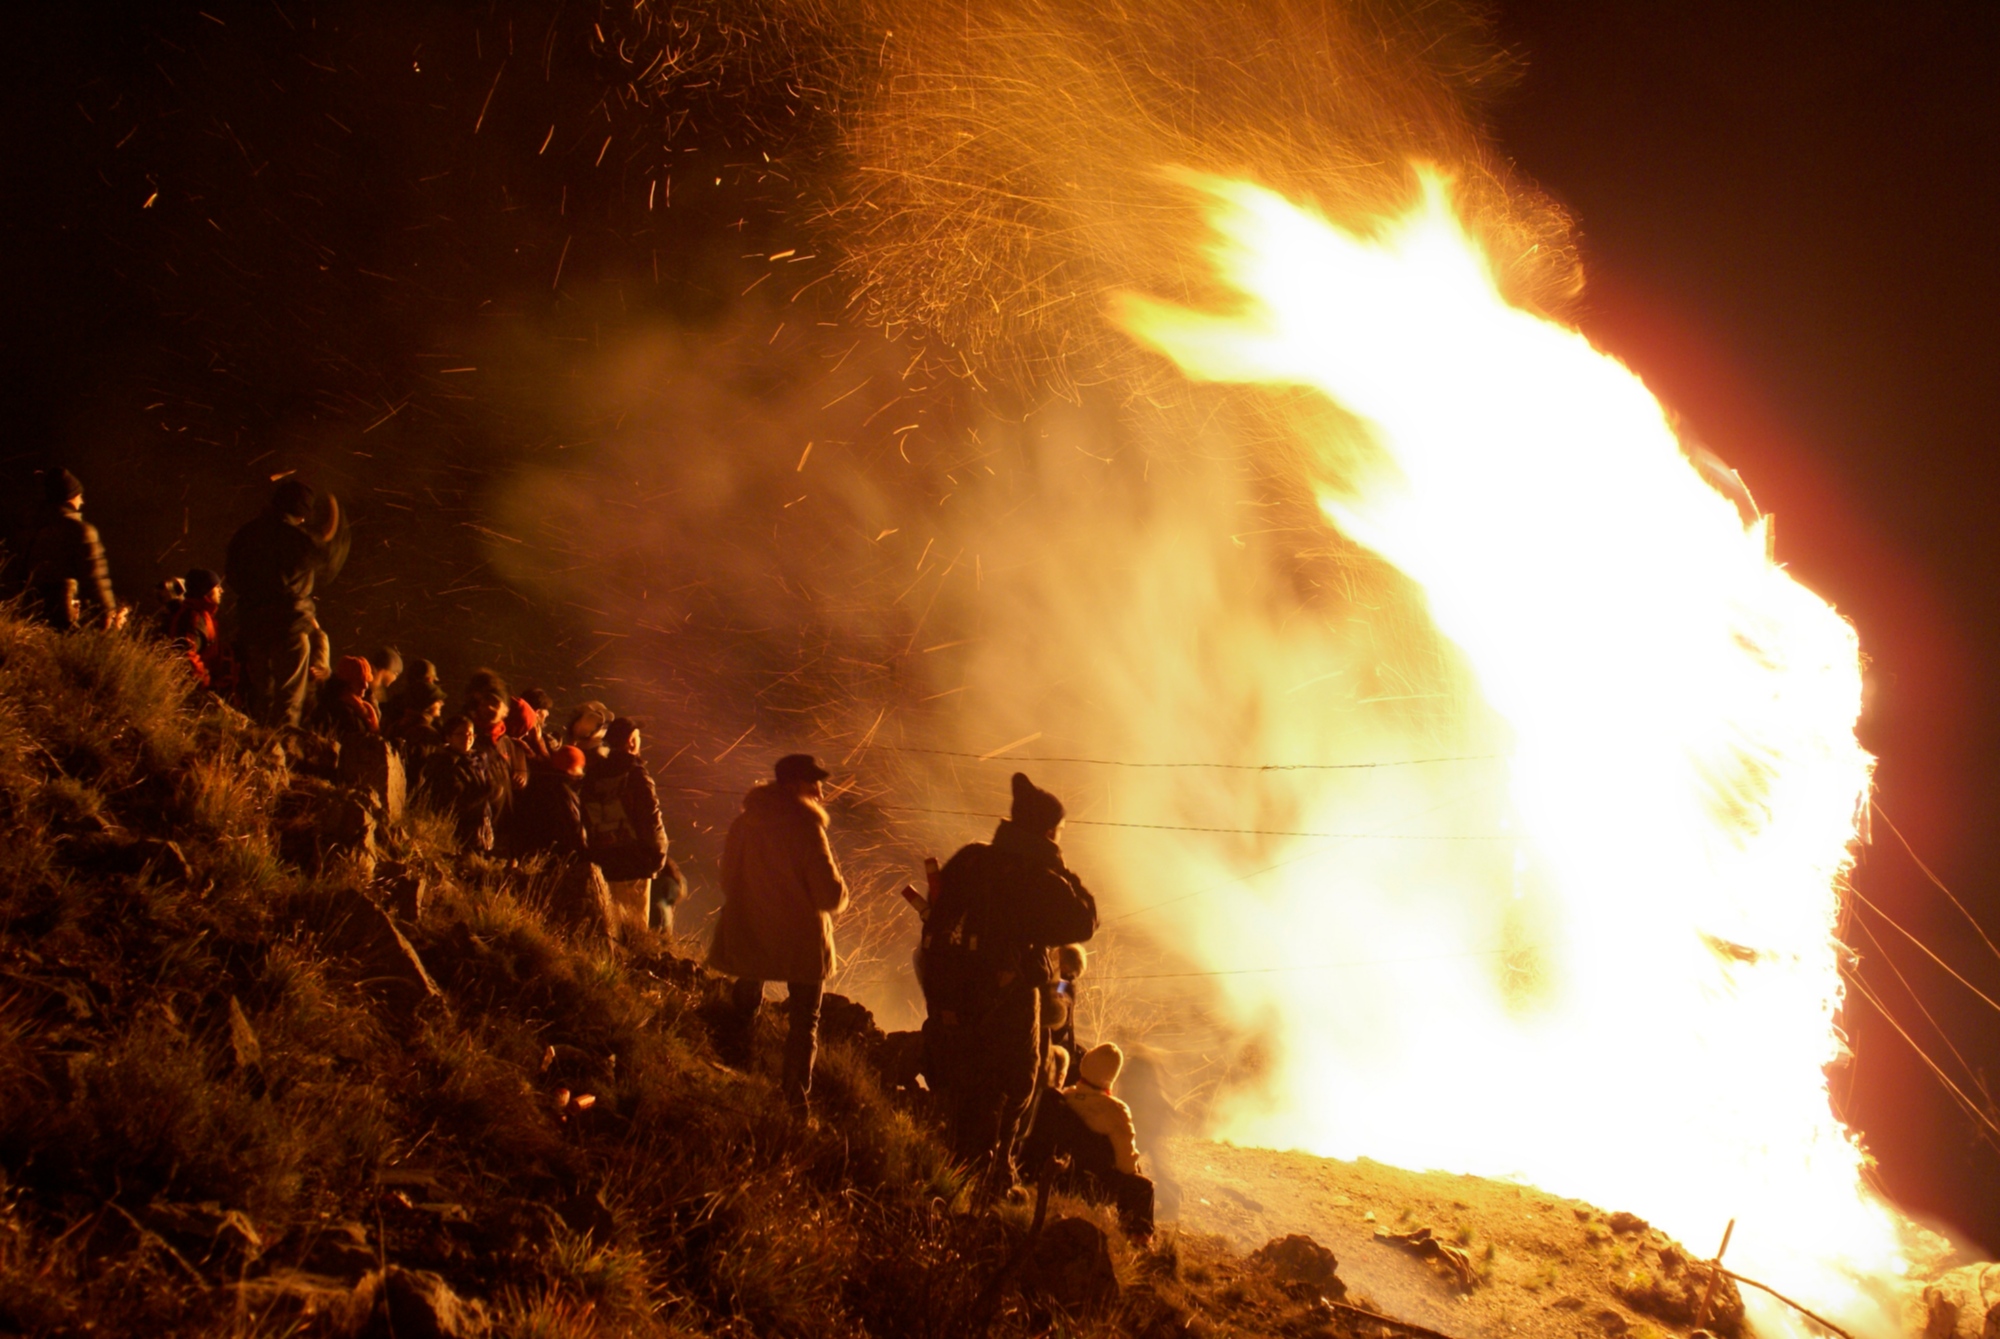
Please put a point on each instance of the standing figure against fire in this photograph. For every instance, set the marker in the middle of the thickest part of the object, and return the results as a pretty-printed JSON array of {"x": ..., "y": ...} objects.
[
  {"x": 275, "y": 563},
  {"x": 628, "y": 840},
  {"x": 780, "y": 888},
  {"x": 66, "y": 566},
  {"x": 1004, "y": 908}
]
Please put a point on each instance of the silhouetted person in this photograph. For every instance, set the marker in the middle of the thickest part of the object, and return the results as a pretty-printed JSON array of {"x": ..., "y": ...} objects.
[
  {"x": 459, "y": 781},
  {"x": 549, "y": 821},
  {"x": 524, "y": 725},
  {"x": 547, "y": 738},
  {"x": 349, "y": 712},
  {"x": 67, "y": 571},
  {"x": 989, "y": 952},
  {"x": 275, "y": 564},
  {"x": 549, "y": 816},
  {"x": 780, "y": 888},
  {"x": 586, "y": 727},
  {"x": 167, "y": 599},
  {"x": 1061, "y": 998},
  {"x": 1086, "y": 1123},
  {"x": 413, "y": 725},
  {"x": 192, "y": 631},
  {"x": 487, "y": 702},
  {"x": 387, "y": 664},
  {"x": 628, "y": 840}
]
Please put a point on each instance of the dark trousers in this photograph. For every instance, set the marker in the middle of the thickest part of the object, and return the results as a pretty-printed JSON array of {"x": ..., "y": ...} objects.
[
  {"x": 995, "y": 1076},
  {"x": 802, "y": 1000},
  {"x": 275, "y": 677}
]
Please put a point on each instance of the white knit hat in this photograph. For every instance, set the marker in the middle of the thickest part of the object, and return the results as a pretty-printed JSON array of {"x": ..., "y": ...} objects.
[{"x": 1100, "y": 1065}]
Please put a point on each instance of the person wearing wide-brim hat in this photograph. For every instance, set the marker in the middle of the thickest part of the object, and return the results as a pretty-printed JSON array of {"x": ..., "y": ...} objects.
[{"x": 781, "y": 887}]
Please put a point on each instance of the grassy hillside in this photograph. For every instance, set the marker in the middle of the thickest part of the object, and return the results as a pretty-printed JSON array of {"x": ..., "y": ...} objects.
[{"x": 239, "y": 1096}]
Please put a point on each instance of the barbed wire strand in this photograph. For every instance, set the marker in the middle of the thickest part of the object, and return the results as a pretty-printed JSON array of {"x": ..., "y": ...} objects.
[
  {"x": 1936, "y": 882},
  {"x": 1972, "y": 1108},
  {"x": 1322, "y": 966},
  {"x": 1001, "y": 756},
  {"x": 1911, "y": 991},
  {"x": 1227, "y": 832},
  {"x": 1862, "y": 898}
]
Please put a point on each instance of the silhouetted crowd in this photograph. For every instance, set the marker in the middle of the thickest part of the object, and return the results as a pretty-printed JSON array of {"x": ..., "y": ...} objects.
[{"x": 1000, "y": 956}]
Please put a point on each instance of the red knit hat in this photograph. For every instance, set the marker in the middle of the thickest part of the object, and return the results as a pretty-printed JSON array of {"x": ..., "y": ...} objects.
[{"x": 355, "y": 673}]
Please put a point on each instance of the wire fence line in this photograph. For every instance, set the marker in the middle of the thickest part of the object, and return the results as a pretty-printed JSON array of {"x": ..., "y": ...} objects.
[
  {"x": 1328, "y": 966},
  {"x": 1228, "y": 832},
  {"x": 1001, "y": 755}
]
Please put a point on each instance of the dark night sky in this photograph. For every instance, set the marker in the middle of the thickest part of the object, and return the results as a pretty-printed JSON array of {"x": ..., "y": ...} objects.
[
  {"x": 1785, "y": 212},
  {"x": 1787, "y": 215}
]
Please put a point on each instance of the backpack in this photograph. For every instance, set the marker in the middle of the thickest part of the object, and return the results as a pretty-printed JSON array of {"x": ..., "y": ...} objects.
[{"x": 956, "y": 974}]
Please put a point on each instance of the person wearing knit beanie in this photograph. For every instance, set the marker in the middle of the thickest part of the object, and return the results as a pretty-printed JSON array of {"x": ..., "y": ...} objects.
[
  {"x": 351, "y": 711},
  {"x": 989, "y": 957},
  {"x": 192, "y": 632},
  {"x": 1035, "y": 810},
  {"x": 65, "y": 559}
]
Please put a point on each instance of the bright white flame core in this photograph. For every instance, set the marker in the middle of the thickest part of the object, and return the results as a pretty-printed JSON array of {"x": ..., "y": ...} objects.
[{"x": 1683, "y": 765}]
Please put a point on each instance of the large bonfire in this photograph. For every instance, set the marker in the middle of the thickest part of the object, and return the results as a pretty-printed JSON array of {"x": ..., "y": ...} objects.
[{"x": 1627, "y": 989}]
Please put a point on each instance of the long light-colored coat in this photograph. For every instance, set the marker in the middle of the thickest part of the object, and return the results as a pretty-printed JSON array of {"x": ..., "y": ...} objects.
[{"x": 780, "y": 888}]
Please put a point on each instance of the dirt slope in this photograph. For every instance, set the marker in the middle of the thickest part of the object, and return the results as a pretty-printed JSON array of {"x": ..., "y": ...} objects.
[{"x": 1543, "y": 1265}]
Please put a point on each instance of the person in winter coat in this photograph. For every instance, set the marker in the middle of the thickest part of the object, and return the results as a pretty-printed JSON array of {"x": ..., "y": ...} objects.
[
  {"x": 989, "y": 952},
  {"x": 549, "y": 821},
  {"x": 487, "y": 701},
  {"x": 524, "y": 725},
  {"x": 586, "y": 728},
  {"x": 1061, "y": 997},
  {"x": 1086, "y": 1122},
  {"x": 67, "y": 572},
  {"x": 549, "y": 817},
  {"x": 628, "y": 840},
  {"x": 781, "y": 888},
  {"x": 275, "y": 564},
  {"x": 413, "y": 721},
  {"x": 387, "y": 664},
  {"x": 192, "y": 632},
  {"x": 546, "y": 737},
  {"x": 349, "y": 711},
  {"x": 168, "y": 597},
  {"x": 418, "y": 681},
  {"x": 459, "y": 781}
]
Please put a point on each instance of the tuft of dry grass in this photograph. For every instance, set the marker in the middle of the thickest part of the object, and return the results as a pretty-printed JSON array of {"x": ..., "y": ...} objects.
[{"x": 208, "y": 1085}]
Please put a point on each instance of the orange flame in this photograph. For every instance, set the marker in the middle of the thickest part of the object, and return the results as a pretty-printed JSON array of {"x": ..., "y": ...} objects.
[{"x": 1681, "y": 765}]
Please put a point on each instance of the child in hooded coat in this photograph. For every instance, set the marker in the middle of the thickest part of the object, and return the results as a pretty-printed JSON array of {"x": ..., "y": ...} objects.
[
  {"x": 351, "y": 712},
  {"x": 1087, "y": 1122},
  {"x": 192, "y": 631}
]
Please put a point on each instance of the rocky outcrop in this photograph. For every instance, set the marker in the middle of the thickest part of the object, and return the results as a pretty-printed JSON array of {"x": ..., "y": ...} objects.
[
  {"x": 1660, "y": 1280},
  {"x": 1964, "y": 1304},
  {"x": 1298, "y": 1259},
  {"x": 1072, "y": 1267}
]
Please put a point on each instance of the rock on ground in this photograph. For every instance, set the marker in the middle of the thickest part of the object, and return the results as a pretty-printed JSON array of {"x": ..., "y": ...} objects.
[
  {"x": 1964, "y": 1304},
  {"x": 1072, "y": 1266}
]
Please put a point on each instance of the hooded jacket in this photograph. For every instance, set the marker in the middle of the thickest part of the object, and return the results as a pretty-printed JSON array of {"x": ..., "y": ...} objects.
[
  {"x": 780, "y": 888},
  {"x": 621, "y": 808},
  {"x": 549, "y": 815},
  {"x": 1090, "y": 1098},
  {"x": 66, "y": 548},
  {"x": 192, "y": 633},
  {"x": 1004, "y": 908}
]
